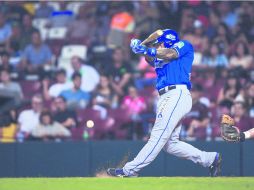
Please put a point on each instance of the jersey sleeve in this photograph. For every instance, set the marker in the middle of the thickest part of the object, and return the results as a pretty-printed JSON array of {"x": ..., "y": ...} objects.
[{"x": 182, "y": 48}]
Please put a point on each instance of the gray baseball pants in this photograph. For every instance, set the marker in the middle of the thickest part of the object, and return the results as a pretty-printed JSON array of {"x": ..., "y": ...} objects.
[{"x": 172, "y": 107}]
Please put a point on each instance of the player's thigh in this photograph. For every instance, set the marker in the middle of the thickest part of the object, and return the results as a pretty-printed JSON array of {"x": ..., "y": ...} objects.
[{"x": 169, "y": 112}]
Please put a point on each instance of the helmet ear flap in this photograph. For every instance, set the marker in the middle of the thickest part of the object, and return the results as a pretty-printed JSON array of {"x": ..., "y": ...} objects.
[{"x": 168, "y": 44}]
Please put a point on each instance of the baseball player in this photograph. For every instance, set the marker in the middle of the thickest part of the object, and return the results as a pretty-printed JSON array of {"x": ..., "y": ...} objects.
[
  {"x": 230, "y": 132},
  {"x": 172, "y": 59}
]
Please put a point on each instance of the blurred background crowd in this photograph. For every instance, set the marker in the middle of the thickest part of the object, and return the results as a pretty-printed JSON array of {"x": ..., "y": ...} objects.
[{"x": 66, "y": 71}]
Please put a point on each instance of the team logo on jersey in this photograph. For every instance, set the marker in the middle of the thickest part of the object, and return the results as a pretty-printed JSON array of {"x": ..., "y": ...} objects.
[
  {"x": 179, "y": 45},
  {"x": 170, "y": 37}
]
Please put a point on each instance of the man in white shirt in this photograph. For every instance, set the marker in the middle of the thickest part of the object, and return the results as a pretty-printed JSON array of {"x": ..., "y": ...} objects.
[
  {"x": 61, "y": 85},
  {"x": 90, "y": 77},
  {"x": 29, "y": 119}
]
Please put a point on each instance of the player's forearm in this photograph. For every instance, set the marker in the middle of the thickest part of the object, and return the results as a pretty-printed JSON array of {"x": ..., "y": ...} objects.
[
  {"x": 249, "y": 134},
  {"x": 166, "y": 53},
  {"x": 150, "y": 60}
]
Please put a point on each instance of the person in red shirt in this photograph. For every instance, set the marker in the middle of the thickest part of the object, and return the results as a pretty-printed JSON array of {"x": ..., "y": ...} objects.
[{"x": 242, "y": 120}]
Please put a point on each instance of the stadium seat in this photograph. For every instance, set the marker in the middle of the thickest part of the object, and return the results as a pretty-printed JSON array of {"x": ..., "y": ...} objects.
[
  {"x": 44, "y": 33},
  {"x": 87, "y": 114},
  {"x": 118, "y": 114},
  {"x": 90, "y": 117},
  {"x": 74, "y": 6},
  {"x": 40, "y": 23},
  {"x": 56, "y": 46},
  {"x": 64, "y": 63},
  {"x": 30, "y": 87},
  {"x": 57, "y": 33},
  {"x": 55, "y": 5},
  {"x": 69, "y": 51},
  {"x": 200, "y": 133}
]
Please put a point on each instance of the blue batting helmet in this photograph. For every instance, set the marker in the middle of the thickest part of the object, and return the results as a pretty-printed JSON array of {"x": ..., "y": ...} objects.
[{"x": 169, "y": 38}]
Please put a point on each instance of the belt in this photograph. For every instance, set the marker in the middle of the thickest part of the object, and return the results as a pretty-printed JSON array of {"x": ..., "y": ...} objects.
[
  {"x": 172, "y": 87},
  {"x": 166, "y": 89}
]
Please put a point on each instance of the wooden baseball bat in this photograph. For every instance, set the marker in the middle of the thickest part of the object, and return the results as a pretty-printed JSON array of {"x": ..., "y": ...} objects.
[{"x": 152, "y": 37}]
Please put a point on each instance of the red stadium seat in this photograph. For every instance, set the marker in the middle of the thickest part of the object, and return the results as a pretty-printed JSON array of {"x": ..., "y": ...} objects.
[{"x": 30, "y": 87}]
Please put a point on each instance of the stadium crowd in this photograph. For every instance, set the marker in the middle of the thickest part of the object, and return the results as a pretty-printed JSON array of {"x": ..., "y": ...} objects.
[{"x": 67, "y": 72}]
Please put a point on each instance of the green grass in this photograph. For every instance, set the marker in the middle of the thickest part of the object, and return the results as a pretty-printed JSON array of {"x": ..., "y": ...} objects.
[{"x": 147, "y": 183}]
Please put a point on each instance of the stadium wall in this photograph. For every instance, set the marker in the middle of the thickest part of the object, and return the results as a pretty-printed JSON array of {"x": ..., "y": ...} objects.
[{"x": 51, "y": 159}]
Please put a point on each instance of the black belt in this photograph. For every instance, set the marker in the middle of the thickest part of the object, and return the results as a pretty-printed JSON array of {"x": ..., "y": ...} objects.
[{"x": 166, "y": 89}]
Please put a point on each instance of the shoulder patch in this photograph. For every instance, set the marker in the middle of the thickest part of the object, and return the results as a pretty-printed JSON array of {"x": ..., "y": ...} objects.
[{"x": 179, "y": 45}]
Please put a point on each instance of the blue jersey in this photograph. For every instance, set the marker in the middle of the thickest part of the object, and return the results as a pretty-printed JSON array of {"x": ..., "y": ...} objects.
[{"x": 176, "y": 71}]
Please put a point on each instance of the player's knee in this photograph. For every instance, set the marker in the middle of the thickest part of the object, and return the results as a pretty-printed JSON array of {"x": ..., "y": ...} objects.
[{"x": 173, "y": 142}]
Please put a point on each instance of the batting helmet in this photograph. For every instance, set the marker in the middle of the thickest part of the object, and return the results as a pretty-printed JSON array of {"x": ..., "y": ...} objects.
[{"x": 169, "y": 38}]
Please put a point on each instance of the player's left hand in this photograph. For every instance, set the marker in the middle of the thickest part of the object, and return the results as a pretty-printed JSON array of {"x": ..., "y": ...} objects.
[{"x": 139, "y": 49}]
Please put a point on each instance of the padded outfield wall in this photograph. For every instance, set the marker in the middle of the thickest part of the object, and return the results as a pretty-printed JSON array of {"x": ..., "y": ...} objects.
[{"x": 52, "y": 159}]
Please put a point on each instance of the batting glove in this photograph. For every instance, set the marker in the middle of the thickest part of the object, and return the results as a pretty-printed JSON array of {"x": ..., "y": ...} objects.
[
  {"x": 144, "y": 50},
  {"x": 134, "y": 43},
  {"x": 140, "y": 49}
]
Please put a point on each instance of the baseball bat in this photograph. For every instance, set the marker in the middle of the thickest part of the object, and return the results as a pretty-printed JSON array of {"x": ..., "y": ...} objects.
[{"x": 152, "y": 36}]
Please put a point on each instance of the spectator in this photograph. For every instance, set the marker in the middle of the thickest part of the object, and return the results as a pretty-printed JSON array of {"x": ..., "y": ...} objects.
[
  {"x": 133, "y": 102},
  {"x": 241, "y": 57},
  {"x": 120, "y": 72},
  {"x": 90, "y": 76},
  {"x": 122, "y": 23},
  {"x": 76, "y": 97},
  {"x": 8, "y": 126},
  {"x": 198, "y": 117},
  {"x": 146, "y": 17},
  {"x": 198, "y": 38},
  {"x": 104, "y": 97},
  {"x": 134, "y": 105},
  {"x": 61, "y": 84},
  {"x": 229, "y": 17},
  {"x": 168, "y": 9},
  {"x": 15, "y": 11},
  {"x": 242, "y": 120},
  {"x": 10, "y": 92},
  {"x": 230, "y": 90},
  {"x": 5, "y": 62},
  {"x": 214, "y": 24},
  {"x": 31, "y": 115},
  {"x": 224, "y": 108},
  {"x": 223, "y": 38},
  {"x": 27, "y": 31},
  {"x": 148, "y": 76},
  {"x": 44, "y": 10},
  {"x": 13, "y": 46},
  {"x": 62, "y": 115},
  {"x": 215, "y": 57},
  {"x": 5, "y": 29},
  {"x": 249, "y": 99},
  {"x": 84, "y": 26},
  {"x": 212, "y": 83},
  {"x": 15, "y": 54},
  {"x": 187, "y": 20},
  {"x": 48, "y": 128},
  {"x": 36, "y": 55}
]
